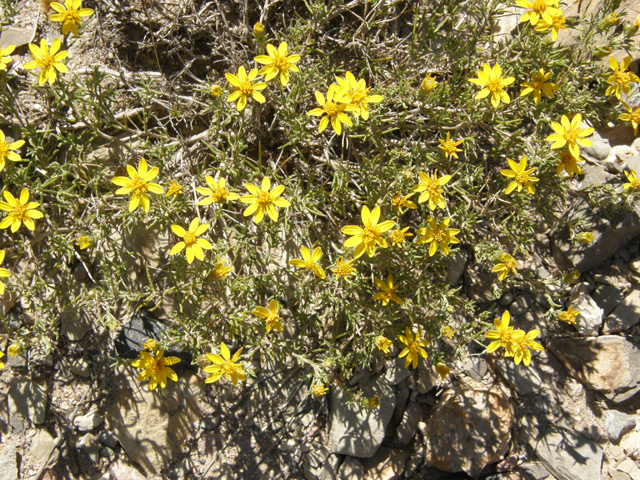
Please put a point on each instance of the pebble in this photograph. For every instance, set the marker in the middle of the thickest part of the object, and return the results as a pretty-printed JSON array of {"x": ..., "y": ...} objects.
[
  {"x": 506, "y": 299},
  {"x": 80, "y": 367},
  {"x": 87, "y": 422},
  {"x": 107, "y": 438},
  {"x": 542, "y": 273}
]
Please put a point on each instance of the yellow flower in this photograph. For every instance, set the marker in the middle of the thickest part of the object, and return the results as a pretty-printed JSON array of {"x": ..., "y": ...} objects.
[
  {"x": 522, "y": 346},
  {"x": 224, "y": 365},
  {"x": 397, "y": 237},
  {"x": 70, "y": 16},
  {"x": 384, "y": 344},
  {"x": 83, "y": 242},
  {"x": 357, "y": 94},
  {"x": 191, "y": 241},
  {"x": 620, "y": 79},
  {"x": 258, "y": 31},
  {"x": 5, "y": 150},
  {"x": 428, "y": 84},
  {"x": 557, "y": 22},
  {"x": 309, "y": 261},
  {"x": 448, "y": 332},
  {"x": 20, "y": 211},
  {"x": 585, "y": 237},
  {"x": 371, "y": 402},
  {"x": 174, "y": 189},
  {"x": 570, "y": 134},
  {"x": 243, "y": 88},
  {"x": 370, "y": 237},
  {"x": 5, "y": 59},
  {"x": 637, "y": 22},
  {"x": 262, "y": 201},
  {"x": 538, "y": 86},
  {"x": 221, "y": 270},
  {"x": 138, "y": 185},
  {"x": 520, "y": 176},
  {"x": 507, "y": 266},
  {"x": 632, "y": 116},
  {"x": 399, "y": 201},
  {"x": 449, "y": 147},
  {"x": 14, "y": 349},
  {"x": 538, "y": 10},
  {"x": 217, "y": 192},
  {"x": 343, "y": 269},
  {"x": 318, "y": 390},
  {"x": 49, "y": 60},
  {"x": 150, "y": 344},
  {"x": 1, "y": 363},
  {"x": 568, "y": 163},
  {"x": 156, "y": 369},
  {"x": 333, "y": 109},
  {"x": 611, "y": 19},
  {"x": 277, "y": 62},
  {"x": 271, "y": 316},
  {"x": 388, "y": 292},
  {"x": 438, "y": 235},
  {"x": 413, "y": 348},
  {"x": 569, "y": 316},
  {"x": 216, "y": 90},
  {"x": 503, "y": 335},
  {"x": 431, "y": 191},
  {"x": 493, "y": 83},
  {"x": 442, "y": 370},
  {"x": 633, "y": 184},
  {"x": 4, "y": 273}
]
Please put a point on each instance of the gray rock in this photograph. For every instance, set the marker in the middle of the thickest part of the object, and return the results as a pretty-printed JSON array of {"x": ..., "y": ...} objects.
[
  {"x": 521, "y": 305},
  {"x": 414, "y": 462},
  {"x": 456, "y": 264},
  {"x": 506, "y": 299},
  {"x": 617, "y": 424},
  {"x": 589, "y": 320},
  {"x": 481, "y": 290},
  {"x": 428, "y": 378},
  {"x": 107, "y": 452},
  {"x": 18, "y": 363},
  {"x": 106, "y": 438},
  {"x": 90, "y": 446},
  {"x": 8, "y": 462},
  {"x": 350, "y": 469},
  {"x": 396, "y": 372},
  {"x": 542, "y": 273},
  {"x": 633, "y": 163},
  {"x": 43, "y": 447},
  {"x": 75, "y": 324},
  {"x": 533, "y": 471},
  {"x": 210, "y": 422},
  {"x": 327, "y": 471},
  {"x": 80, "y": 367},
  {"x": 607, "y": 298},
  {"x": 476, "y": 368},
  {"x": 359, "y": 432},
  {"x": 593, "y": 175},
  {"x": 317, "y": 456},
  {"x": 626, "y": 315},
  {"x": 524, "y": 380},
  {"x": 15, "y": 36},
  {"x": 635, "y": 264},
  {"x": 386, "y": 464},
  {"x": 88, "y": 422},
  {"x": 569, "y": 457},
  {"x": 409, "y": 425},
  {"x": 27, "y": 401},
  {"x": 600, "y": 149}
]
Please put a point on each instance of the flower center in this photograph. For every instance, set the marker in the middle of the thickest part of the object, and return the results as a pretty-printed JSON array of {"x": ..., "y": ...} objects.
[
  {"x": 438, "y": 235},
  {"x": 370, "y": 234},
  {"x": 139, "y": 184},
  {"x": 156, "y": 366},
  {"x": 571, "y": 135},
  {"x": 246, "y": 88},
  {"x": 228, "y": 368},
  {"x": 358, "y": 96},
  {"x": 264, "y": 198},
  {"x": 343, "y": 270},
  {"x": 495, "y": 85},
  {"x": 521, "y": 177},
  {"x": 539, "y": 6},
  {"x": 280, "y": 62},
  {"x": 332, "y": 109},
  {"x": 19, "y": 212},
  {"x": 4, "y": 150},
  {"x": 47, "y": 60},
  {"x": 189, "y": 239}
]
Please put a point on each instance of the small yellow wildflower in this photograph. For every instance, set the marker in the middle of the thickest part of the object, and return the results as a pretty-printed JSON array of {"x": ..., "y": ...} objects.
[
  {"x": 636, "y": 24},
  {"x": 190, "y": 240},
  {"x": 357, "y": 94},
  {"x": 507, "y": 266},
  {"x": 150, "y": 344},
  {"x": 261, "y": 201},
  {"x": 503, "y": 335},
  {"x": 633, "y": 184},
  {"x": 520, "y": 176},
  {"x": 585, "y": 237},
  {"x": 538, "y": 10},
  {"x": 388, "y": 292},
  {"x": 14, "y": 349},
  {"x": 138, "y": 185},
  {"x": 258, "y": 31},
  {"x": 438, "y": 235},
  {"x": 493, "y": 82},
  {"x": 568, "y": 163},
  {"x": 20, "y": 211},
  {"x": 49, "y": 60},
  {"x": 217, "y": 192},
  {"x": 611, "y": 19},
  {"x": 71, "y": 16},
  {"x": 569, "y": 316},
  {"x": 399, "y": 201},
  {"x": 620, "y": 78},
  {"x": 5, "y": 150},
  {"x": 448, "y": 332},
  {"x": 522, "y": 346},
  {"x": 413, "y": 347},
  {"x": 318, "y": 390},
  {"x": 371, "y": 402},
  {"x": 224, "y": 365},
  {"x": 397, "y": 237},
  {"x": 558, "y": 22},
  {"x": 442, "y": 370},
  {"x": 83, "y": 242},
  {"x": 4, "y": 273},
  {"x": 538, "y": 86},
  {"x": 221, "y": 270},
  {"x": 216, "y": 90},
  {"x": 428, "y": 84},
  {"x": 309, "y": 261},
  {"x": 370, "y": 237},
  {"x": 5, "y": 59},
  {"x": 384, "y": 344},
  {"x": 243, "y": 88},
  {"x": 333, "y": 109},
  {"x": 1, "y": 363},
  {"x": 431, "y": 191},
  {"x": 156, "y": 369},
  {"x": 271, "y": 316},
  {"x": 570, "y": 134},
  {"x": 449, "y": 147},
  {"x": 277, "y": 62},
  {"x": 174, "y": 189},
  {"x": 343, "y": 269},
  {"x": 632, "y": 116}
]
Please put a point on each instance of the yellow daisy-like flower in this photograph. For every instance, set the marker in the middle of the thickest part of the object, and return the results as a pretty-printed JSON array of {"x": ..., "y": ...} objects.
[
  {"x": 568, "y": 163},
  {"x": 150, "y": 344},
  {"x": 20, "y": 211},
  {"x": 431, "y": 191},
  {"x": 277, "y": 62},
  {"x": 520, "y": 176},
  {"x": 503, "y": 335},
  {"x": 569, "y": 316},
  {"x": 442, "y": 370},
  {"x": 357, "y": 94},
  {"x": 217, "y": 192},
  {"x": 507, "y": 266},
  {"x": 570, "y": 134},
  {"x": 620, "y": 78},
  {"x": 398, "y": 236},
  {"x": 448, "y": 332},
  {"x": 271, "y": 316},
  {"x": 221, "y": 270},
  {"x": 190, "y": 240},
  {"x": 428, "y": 84},
  {"x": 49, "y": 60},
  {"x": 586, "y": 237},
  {"x": 343, "y": 269},
  {"x": 83, "y": 242},
  {"x": 333, "y": 109},
  {"x": 71, "y": 16},
  {"x": 1, "y": 363},
  {"x": 388, "y": 292},
  {"x": 413, "y": 347},
  {"x": 138, "y": 184},
  {"x": 399, "y": 201},
  {"x": 309, "y": 261},
  {"x": 5, "y": 59},
  {"x": 558, "y": 22},
  {"x": 438, "y": 235},
  {"x": 14, "y": 349},
  {"x": 156, "y": 369},
  {"x": 448, "y": 147},
  {"x": 318, "y": 390},
  {"x": 522, "y": 346},
  {"x": 633, "y": 184},
  {"x": 258, "y": 31},
  {"x": 6, "y": 150},
  {"x": 538, "y": 10},
  {"x": 493, "y": 82},
  {"x": 384, "y": 344},
  {"x": 539, "y": 86},
  {"x": 262, "y": 201},
  {"x": 174, "y": 189},
  {"x": 4, "y": 273},
  {"x": 370, "y": 237},
  {"x": 215, "y": 90},
  {"x": 632, "y": 116},
  {"x": 223, "y": 364},
  {"x": 243, "y": 88}
]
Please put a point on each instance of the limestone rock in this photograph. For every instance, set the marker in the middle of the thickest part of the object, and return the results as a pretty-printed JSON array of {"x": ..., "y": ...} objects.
[
  {"x": 589, "y": 319},
  {"x": 470, "y": 427},
  {"x": 428, "y": 378},
  {"x": 80, "y": 367},
  {"x": 481, "y": 290},
  {"x": 456, "y": 264},
  {"x": 15, "y": 36},
  {"x": 42, "y": 445},
  {"x": 8, "y": 462},
  {"x": 569, "y": 457},
  {"x": 351, "y": 469},
  {"x": 409, "y": 425},
  {"x": 76, "y": 323},
  {"x": 617, "y": 424},
  {"x": 607, "y": 298},
  {"x": 396, "y": 372},
  {"x": 627, "y": 314},
  {"x": 386, "y": 464},
  {"x": 524, "y": 380},
  {"x": 90, "y": 446},
  {"x": 600, "y": 149},
  {"x": 27, "y": 401},
  {"x": 88, "y": 422}
]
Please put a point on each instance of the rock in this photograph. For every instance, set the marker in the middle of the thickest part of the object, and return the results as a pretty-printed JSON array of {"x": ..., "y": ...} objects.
[
  {"x": 524, "y": 380},
  {"x": 533, "y": 471},
  {"x": 107, "y": 452},
  {"x": 476, "y": 368},
  {"x": 317, "y": 456},
  {"x": 590, "y": 317},
  {"x": 593, "y": 175},
  {"x": 80, "y": 367},
  {"x": 350, "y": 469},
  {"x": 76, "y": 323},
  {"x": 469, "y": 428},
  {"x": 18, "y": 363},
  {"x": 87, "y": 422},
  {"x": 506, "y": 299},
  {"x": 15, "y": 36},
  {"x": 617, "y": 475},
  {"x": 624, "y": 254},
  {"x": 428, "y": 378},
  {"x": 521, "y": 305},
  {"x": 456, "y": 264},
  {"x": 542, "y": 273},
  {"x": 569, "y": 457},
  {"x": 8, "y": 462},
  {"x": 359, "y": 432},
  {"x": 635, "y": 264},
  {"x": 106, "y": 438},
  {"x": 617, "y": 424},
  {"x": 414, "y": 462},
  {"x": 607, "y": 363},
  {"x": 481, "y": 290},
  {"x": 408, "y": 426},
  {"x": 327, "y": 471},
  {"x": 110, "y": 154},
  {"x": 616, "y": 161},
  {"x": 43, "y": 448},
  {"x": 210, "y": 422},
  {"x": 607, "y": 298},
  {"x": 504, "y": 25},
  {"x": 600, "y": 149},
  {"x": 90, "y": 446},
  {"x": 396, "y": 372},
  {"x": 386, "y": 464},
  {"x": 27, "y": 401},
  {"x": 626, "y": 315},
  {"x": 120, "y": 470}
]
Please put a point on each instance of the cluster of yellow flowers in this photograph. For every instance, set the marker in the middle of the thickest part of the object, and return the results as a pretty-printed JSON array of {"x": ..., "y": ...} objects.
[{"x": 517, "y": 343}]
